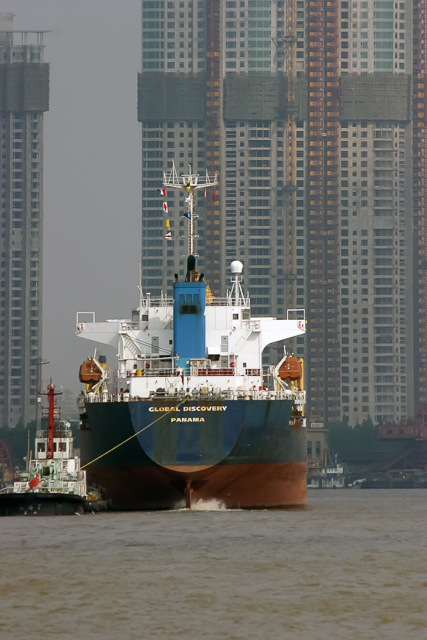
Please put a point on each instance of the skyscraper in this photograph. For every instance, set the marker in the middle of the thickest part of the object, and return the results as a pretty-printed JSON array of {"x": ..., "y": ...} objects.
[
  {"x": 24, "y": 91},
  {"x": 313, "y": 113},
  {"x": 216, "y": 107},
  {"x": 376, "y": 213}
]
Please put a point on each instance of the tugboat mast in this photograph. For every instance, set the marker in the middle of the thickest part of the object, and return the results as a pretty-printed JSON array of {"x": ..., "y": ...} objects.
[
  {"x": 189, "y": 183},
  {"x": 51, "y": 418}
]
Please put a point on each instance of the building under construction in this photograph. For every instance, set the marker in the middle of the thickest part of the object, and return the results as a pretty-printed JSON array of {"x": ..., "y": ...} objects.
[
  {"x": 313, "y": 113},
  {"x": 24, "y": 97}
]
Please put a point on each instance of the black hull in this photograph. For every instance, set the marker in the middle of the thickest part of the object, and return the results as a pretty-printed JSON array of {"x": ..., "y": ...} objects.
[
  {"x": 244, "y": 453},
  {"x": 40, "y": 504}
]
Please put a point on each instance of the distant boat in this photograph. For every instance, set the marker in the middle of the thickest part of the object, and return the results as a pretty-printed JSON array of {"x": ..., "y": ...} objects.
[{"x": 328, "y": 478}]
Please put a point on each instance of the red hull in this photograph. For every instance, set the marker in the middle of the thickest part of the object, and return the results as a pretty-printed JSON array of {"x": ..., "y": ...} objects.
[{"x": 244, "y": 486}]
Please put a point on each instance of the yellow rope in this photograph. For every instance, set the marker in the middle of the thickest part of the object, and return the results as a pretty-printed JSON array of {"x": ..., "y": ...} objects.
[{"x": 133, "y": 436}]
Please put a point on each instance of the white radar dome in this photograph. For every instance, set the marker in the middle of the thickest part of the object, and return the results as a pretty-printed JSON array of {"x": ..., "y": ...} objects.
[{"x": 236, "y": 266}]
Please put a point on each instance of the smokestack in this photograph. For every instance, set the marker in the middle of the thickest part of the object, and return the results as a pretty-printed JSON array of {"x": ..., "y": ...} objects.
[{"x": 191, "y": 267}]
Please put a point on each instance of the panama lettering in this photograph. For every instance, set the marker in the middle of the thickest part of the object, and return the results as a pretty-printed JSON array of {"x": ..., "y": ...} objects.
[{"x": 187, "y": 419}]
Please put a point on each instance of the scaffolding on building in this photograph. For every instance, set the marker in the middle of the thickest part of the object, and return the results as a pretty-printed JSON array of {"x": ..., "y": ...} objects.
[
  {"x": 290, "y": 183},
  {"x": 323, "y": 189},
  {"x": 331, "y": 212},
  {"x": 419, "y": 115},
  {"x": 315, "y": 206},
  {"x": 213, "y": 123}
]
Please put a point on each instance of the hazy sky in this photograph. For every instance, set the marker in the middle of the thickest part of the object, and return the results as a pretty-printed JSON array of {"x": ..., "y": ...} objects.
[{"x": 92, "y": 169}]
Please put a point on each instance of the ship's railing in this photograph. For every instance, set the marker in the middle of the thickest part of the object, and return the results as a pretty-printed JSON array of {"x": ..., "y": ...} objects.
[
  {"x": 65, "y": 433},
  {"x": 59, "y": 468},
  {"x": 225, "y": 394},
  {"x": 214, "y": 372},
  {"x": 300, "y": 396},
  {"x": 199, "y": 394},
  {"x": 129, "y": 326},
  {"x": 164, "y": 301},
  {"x": 229, "y": 302},
  {"x": 152, "y": 373},
  {"x": 54, "y": 486},
  {"x": 297, "y": 314},
  {"x": 195, "y": 371},
  {"x": 252, "y": 372},
  {"x": 223, "y": 372},
  {"x": 252, "y": 323},
  {"x": 212, "y": 302}
]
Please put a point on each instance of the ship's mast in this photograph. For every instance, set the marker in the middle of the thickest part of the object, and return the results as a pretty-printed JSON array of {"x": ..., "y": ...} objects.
[
  {"x": 189, "y": 183},
  {"x": 51, "y": 418}
]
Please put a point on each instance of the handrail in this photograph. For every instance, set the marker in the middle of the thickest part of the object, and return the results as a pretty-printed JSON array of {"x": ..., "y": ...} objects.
[
  {"x": 298, "y": 312},
  {"x": 151, "y": 373},
  {"x": 156, "y": 302},
  {"x": 212, "y": 302},
  {"x": 226, "y": 394}
]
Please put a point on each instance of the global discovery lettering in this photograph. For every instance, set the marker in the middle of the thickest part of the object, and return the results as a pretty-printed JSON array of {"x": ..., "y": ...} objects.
[{"x": 197, "y": 408}]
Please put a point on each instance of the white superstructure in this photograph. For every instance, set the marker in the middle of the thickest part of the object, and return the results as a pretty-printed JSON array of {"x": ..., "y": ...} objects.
[{"x": 235, "y": 342}]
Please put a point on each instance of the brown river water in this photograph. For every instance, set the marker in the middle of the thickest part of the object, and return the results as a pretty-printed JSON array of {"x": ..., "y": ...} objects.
[{"x": 352, "y": 566}]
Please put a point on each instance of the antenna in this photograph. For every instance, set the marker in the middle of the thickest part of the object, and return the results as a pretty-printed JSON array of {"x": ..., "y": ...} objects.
[
  {"x": 189, "y": 183},
  {"x": 236, "y": 271}
]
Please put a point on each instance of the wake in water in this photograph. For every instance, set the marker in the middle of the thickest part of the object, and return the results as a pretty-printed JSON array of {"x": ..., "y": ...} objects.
[
  {"x": 208, "y": 505},
  {"x": 203, "y": 505}
]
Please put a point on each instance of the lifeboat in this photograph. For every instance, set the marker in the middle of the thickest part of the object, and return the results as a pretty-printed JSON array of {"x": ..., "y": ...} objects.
[
  {"x": 290, "y": 369},
  {"x": 89, "y": 372}
]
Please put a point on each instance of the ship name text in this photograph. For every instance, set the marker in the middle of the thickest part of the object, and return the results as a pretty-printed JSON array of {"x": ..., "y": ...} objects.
[
  {"x": 187, "y": 419},
  {"x": 198, "y": 408}
]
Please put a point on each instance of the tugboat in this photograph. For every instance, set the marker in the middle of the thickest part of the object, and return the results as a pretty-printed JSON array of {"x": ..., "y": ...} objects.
[
  {"x": 196, "y": 415},
  {"x": 54, "y": 483}
]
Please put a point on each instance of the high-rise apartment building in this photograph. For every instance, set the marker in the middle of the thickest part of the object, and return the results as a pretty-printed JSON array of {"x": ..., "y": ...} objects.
[
  {"x": 419, "y": 175},
  {"x": 24, "y": 92},
  {"x": 212, "y": 95},
  {"x": 376, "y": 213},
  {"x": 313, "y": 113}
]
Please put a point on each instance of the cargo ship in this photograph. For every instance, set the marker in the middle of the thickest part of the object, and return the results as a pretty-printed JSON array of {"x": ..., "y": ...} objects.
[{"x": 196, "y": 415}]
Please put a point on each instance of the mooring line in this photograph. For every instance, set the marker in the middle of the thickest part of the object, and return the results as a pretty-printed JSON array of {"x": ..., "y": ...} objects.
[{"x": 134, "y": 435}]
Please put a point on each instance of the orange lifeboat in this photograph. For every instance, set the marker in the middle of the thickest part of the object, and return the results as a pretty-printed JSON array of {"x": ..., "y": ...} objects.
[
  {"x": 89, "y": 372},
  {"x": 290, "y": 369}
]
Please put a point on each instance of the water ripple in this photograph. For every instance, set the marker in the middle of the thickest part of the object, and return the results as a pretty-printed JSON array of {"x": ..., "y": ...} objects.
[{"x": 350, "y": 567}]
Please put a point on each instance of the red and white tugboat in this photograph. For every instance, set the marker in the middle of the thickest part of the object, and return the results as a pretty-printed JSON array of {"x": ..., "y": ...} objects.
[{"x": 53, "y": 483}]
